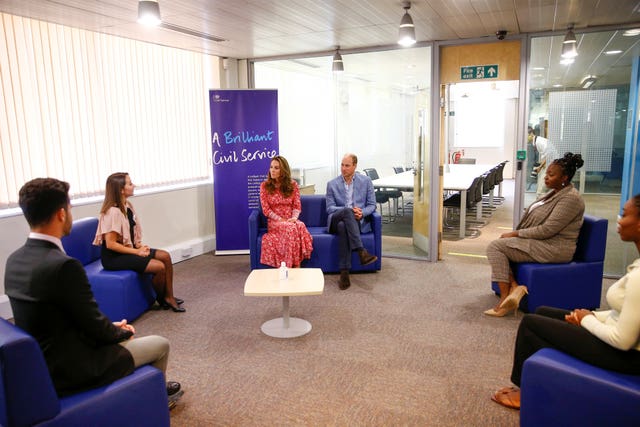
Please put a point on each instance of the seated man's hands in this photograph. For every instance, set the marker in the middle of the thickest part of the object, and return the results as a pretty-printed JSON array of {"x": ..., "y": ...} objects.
[
  {"x": 357, "y": 212},
  {"x": 124, "y": 325}
]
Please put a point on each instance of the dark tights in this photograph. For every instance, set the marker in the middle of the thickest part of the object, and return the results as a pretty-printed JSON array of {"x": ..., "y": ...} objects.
[{"x": 548, "y": 329}]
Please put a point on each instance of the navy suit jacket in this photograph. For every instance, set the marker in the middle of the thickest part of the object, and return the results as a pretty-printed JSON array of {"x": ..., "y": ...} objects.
[
  {"x": 363, "y": 197},
  {"x": 52, "y": 301}
]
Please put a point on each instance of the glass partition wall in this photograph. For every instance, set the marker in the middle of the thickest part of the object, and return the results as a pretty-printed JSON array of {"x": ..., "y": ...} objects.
[
  {"x": 372, "y": 109},
  {"x": 581, "y": 105}
]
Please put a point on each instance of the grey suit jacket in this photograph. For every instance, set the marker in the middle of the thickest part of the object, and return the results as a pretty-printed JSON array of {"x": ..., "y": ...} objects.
[
  {"x": 549, "y": 232},
  {"x": 363, "y": 197}
]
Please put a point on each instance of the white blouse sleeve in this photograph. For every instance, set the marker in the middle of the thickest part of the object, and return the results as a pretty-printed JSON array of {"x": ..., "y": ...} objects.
[{"x": 622, "y": 332}]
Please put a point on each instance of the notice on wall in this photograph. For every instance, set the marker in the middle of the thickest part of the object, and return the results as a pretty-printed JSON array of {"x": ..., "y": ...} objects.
[{"x": 244, "y": 139}]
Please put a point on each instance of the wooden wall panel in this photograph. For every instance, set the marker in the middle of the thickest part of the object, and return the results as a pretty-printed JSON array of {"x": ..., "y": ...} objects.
[{"x": 504, "y": 53}]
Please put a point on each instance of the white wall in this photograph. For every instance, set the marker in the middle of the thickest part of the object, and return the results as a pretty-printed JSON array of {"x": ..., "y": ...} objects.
[
  {"x": 493, "y": 156},
  {"x": 180, "y": 221}
]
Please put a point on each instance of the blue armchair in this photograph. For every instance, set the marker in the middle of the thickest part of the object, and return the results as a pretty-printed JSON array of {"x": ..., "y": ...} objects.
[
  {"x": 120, "y": 294},
  {"x": 27, "y": 396},
  {"x": 560, "y": 390},
  {"x": 577, "y": 284},
  {"x": 325, "y": 245}
]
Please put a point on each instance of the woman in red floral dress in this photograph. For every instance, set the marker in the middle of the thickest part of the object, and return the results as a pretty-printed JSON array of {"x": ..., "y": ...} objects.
[{"x": 287, "y": 239}]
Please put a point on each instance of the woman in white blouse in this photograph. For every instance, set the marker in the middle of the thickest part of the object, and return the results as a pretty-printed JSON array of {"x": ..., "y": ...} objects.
[
  {"x": 120, "y": 235},
  {"x": 609, "y": 339}
]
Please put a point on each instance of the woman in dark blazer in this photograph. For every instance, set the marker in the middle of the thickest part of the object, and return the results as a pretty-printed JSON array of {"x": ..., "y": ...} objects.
[{"x": 547, "y": 233}]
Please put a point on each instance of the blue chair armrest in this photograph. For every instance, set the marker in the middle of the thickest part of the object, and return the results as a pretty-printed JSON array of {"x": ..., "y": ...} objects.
[
  {"x": 253, "y": 239},
  {"x": 139, "y": 399},
  {"x": 28, "y": 395},
  {"x": 377, "y": 231},
  {"x": 560, "y": 390}
]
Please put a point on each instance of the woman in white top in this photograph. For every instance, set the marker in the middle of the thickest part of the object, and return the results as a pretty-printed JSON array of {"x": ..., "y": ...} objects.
[
  {"x": 120, "y": 235},
  {"x": 609, "y": 339}
]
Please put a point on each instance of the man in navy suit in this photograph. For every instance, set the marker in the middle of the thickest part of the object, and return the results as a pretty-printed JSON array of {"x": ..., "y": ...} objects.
[
  {"x": 52, "y": 301},
  {"x": 350, "y": 201}
]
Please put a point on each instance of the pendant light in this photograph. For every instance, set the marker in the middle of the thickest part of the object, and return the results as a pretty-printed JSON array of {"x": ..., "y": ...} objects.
[
  {"x": 407, "y": 33},
  {"x": 149, "y": 12},
  {"x": 569, "y": 45},
  {"x": 337, "y": 64}
]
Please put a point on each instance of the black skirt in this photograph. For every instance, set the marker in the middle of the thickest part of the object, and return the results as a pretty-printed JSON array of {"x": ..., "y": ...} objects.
[{"x": 112, "y": 260}]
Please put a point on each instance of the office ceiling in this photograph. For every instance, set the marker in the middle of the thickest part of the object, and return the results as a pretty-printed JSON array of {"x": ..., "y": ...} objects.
[{"x": 268, "y": 28}]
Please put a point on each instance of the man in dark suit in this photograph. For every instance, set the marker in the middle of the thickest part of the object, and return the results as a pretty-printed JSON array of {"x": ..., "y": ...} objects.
[
  {"x": 350, "y": 201},
  {"x": 52, "y": 300}
]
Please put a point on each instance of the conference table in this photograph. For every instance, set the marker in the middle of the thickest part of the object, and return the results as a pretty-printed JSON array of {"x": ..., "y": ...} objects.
[{"x": 456, "y": 177}]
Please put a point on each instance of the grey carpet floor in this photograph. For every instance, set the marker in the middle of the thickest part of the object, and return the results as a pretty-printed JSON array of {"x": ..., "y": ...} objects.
[{"x": 408, "y": 345}]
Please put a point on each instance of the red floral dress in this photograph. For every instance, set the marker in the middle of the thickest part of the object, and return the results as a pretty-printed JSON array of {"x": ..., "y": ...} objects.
[{"x": 284, "y": 240}]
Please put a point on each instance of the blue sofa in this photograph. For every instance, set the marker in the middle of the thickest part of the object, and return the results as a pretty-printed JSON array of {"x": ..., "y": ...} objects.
[
  {"x": 577, "y": 284},
  {"x": 120, "y": 294},
  {"x": 560, "y": 390},
  {"x": 325, "y": 245},
  {"x": 27, "y": 396}
]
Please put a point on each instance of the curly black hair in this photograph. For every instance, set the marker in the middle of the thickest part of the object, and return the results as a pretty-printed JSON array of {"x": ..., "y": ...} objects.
[{"x": 569, "y": 164}]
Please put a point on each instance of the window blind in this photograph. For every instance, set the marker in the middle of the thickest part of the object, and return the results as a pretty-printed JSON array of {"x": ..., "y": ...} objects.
[{"x": 78, "y": 105}]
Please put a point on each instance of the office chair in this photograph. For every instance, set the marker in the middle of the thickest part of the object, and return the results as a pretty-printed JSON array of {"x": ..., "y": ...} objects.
[
  {"x": 391, "y": 193},
  {"x": 498, "y": 181},
  {"x": 488, "y": 184},
  {"x": 452, "y": 203}
]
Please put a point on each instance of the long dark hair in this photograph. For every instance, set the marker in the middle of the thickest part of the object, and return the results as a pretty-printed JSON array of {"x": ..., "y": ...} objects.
[
  {"x": 284, "y": 181},
  {"x": 569, "y": 164},
  {"x": 113, "y": 192}
]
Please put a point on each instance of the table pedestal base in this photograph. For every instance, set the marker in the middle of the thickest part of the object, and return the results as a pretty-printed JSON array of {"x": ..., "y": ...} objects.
[{"x": 276, "y": 327}]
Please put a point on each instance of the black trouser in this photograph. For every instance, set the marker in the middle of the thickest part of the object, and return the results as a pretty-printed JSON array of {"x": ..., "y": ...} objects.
[
  {"x": 548, "y": 329},
  {"x": 345, "y": 225}
]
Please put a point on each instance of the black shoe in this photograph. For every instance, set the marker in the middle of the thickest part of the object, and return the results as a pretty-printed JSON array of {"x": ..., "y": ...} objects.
[
  {"x": 366, "y": 258},
  {"x": 172, "y": 387},
  {"x": 163, "y": 304},
  {"x": 179, "y": 300},
  {"x": 176, "y": 308},
  {"x": 173, "y": 393},
  {"x": 344, "y": 282}
]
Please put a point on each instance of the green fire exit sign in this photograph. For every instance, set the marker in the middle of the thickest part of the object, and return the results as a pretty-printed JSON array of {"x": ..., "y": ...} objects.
[{"x": 479, "y": 72}]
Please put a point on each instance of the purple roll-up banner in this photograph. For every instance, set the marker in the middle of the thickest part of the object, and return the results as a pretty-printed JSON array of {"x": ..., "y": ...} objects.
[{"x": 244, "y": 138}]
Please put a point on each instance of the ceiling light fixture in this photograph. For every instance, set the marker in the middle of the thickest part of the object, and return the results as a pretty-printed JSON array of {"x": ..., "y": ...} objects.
[
  {"x": 588, "y": 81},
  {"x": 613, "y": 52},
  {"x": 407, "y": 33},
  {"x": 569, "y": 43},
  {"x": 338, "y": 65},
  {"x": 632, "y": 32},
  {"x": 567, "y": 61},
  {"x": 149, "y": 12}
]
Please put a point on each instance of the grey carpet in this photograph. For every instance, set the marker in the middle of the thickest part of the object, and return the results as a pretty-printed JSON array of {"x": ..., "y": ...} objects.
[{"x": 408, "y": 345}]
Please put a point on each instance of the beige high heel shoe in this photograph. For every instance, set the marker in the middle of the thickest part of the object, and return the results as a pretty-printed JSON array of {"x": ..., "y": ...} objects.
[
  {"x": 500, "y": 312},
  {"x": 512, "y": 301}
]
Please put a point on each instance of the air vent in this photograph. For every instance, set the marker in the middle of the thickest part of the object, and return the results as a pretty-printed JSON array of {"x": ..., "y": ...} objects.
[{"x": 190, "y": 32}]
